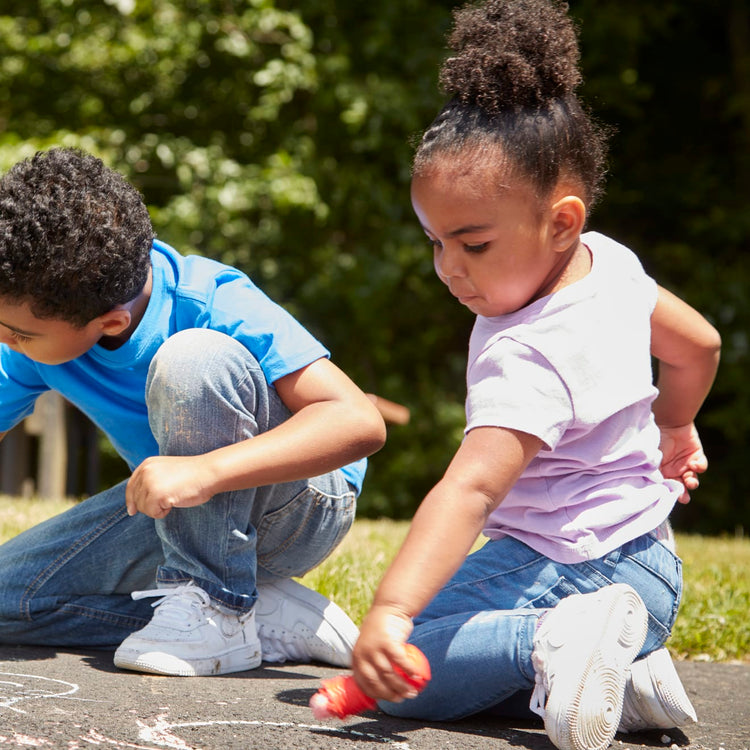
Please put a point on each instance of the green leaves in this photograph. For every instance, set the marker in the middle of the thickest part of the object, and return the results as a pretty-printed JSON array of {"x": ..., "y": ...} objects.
[{"x": 276, "y": 136}]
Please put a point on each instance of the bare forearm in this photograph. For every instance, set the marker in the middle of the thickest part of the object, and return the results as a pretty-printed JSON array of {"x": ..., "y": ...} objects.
[
  {"x": 441, "y": 535},
  {"x": 332, "y": 424},
  {"x": 486, "y": 465},
  {"x": 682, "y": 391},
  {"x": 448, "y": 521},
  {"x": 319, "y": 438},
  {"x": 687, "y": 347}
]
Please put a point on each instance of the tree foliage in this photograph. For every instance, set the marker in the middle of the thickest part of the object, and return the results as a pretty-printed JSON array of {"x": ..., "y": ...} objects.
[{"x": 276, "y": 136}]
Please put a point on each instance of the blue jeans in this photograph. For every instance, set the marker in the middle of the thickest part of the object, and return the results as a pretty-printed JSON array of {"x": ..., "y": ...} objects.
[
  {"x": 67, "y": 581},
  {"x": 478, "y": 631}
]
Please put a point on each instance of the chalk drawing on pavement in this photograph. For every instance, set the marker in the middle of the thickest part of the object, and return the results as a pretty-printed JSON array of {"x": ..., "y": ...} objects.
[
  {"x": 162, "y": 732},
  {"x": 16, "y": 688}
]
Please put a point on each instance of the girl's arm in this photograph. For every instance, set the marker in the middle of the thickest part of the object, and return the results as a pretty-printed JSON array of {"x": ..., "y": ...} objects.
[
  {"x": 332, "y": 423},
  {"x": 446, "y": 525},
  {"x": 687, "y": 347}
]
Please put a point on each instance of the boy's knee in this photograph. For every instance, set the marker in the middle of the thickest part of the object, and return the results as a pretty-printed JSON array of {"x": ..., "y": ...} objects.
[
  {"x": 190, "y": 346},
  {"x": 202, "y": 377},
  {"x": 190, "y": 360}
]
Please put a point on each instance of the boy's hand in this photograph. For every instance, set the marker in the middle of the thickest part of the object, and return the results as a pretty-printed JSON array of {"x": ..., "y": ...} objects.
[
  {"x": 379, "y": 647},
  {"x": 161, "y": 483},
  {"x": 682, "y": 457}
]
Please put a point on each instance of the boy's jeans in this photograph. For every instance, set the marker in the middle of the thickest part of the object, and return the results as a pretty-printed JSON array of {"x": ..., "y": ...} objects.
[
  {"x": 478, "y": 631},
  {"x": 67, "y": 581}
]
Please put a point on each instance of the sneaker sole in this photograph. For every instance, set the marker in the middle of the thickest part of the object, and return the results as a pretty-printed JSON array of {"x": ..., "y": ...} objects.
[
  {"x": 158, "y": 662},
  {"x": 331, "y": 640},
  {"x": 582, "y": 724}
]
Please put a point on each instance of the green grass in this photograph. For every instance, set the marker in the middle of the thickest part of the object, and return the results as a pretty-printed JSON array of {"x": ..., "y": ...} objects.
[
  {"x": 17, "y": 514},
  {"x": 712, "y": 624}
]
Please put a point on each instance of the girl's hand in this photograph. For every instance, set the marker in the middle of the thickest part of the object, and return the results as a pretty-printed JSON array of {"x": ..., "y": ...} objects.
[
  {"x": 379, "y": 647},
  {"x": 161, "y": 483},
  {"x": 682, "y": 457}
]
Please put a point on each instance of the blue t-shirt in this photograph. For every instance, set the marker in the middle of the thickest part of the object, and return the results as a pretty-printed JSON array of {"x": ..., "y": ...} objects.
[{"x": 109, "y": 385}]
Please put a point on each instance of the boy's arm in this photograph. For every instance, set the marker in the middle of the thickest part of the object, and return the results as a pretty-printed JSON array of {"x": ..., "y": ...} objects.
[
  {"x": 332, "y": 423},
  {"x": 443, "y": 530},
  {"x": 687, "y": 347}
]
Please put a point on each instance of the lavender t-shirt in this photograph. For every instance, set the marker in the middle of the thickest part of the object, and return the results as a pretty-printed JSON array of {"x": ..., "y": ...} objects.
[{"x": 574, "y": 369}]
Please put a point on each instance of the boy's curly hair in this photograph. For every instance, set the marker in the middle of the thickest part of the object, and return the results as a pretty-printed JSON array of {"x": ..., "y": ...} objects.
[
  {"x": 513, "y": 81},
  {"x": 75, "y": 236}
]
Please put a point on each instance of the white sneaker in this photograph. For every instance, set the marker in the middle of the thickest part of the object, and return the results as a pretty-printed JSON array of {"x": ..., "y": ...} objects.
[
  {"x": 298, "y": 624},
  {"x": 582, "y": 650},
  {"x": 188, "y": 636},
  {"x": 654, "y": 696}
]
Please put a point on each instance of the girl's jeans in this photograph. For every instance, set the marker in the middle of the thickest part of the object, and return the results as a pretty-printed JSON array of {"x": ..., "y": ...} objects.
[
  {"x": 67, "y": 581},
  {"x": 478, "y": 631}
]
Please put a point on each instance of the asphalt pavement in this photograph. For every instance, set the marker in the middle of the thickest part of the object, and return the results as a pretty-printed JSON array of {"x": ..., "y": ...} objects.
[{"x": 79, "y": 701}]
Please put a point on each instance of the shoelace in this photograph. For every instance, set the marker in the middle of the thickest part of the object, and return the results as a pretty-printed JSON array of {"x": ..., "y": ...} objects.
[
  {"x": 538, "y": 697},
  {"x": 175, "y": 605}
]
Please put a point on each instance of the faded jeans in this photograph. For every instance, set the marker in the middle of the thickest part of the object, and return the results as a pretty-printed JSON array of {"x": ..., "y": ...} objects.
[
  {"x": 67, "y": 581},
  {"x": 478, "y": 631}
]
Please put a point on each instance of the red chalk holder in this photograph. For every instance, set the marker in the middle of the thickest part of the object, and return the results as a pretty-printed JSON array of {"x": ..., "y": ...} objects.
[{"x": 340, "y": 696}]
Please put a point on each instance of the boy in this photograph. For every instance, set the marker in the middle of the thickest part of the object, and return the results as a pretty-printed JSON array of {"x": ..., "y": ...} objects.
[{"x": 231, "y": 417}]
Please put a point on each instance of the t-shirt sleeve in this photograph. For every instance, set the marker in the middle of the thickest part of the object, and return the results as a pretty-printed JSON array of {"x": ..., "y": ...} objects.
[
  {"x": 279, "y": 342},
  {"x": 20, "y": 385},
  {"x": 511, "y": 385}
]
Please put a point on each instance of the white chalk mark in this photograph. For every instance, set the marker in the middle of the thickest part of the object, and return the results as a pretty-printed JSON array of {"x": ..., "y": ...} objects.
[
  {"x": 97, "y": 738},
  {"x": 23, "y": 687},
  {"x": 23, "y": 740},
  {"x": 162, "y": 731}
]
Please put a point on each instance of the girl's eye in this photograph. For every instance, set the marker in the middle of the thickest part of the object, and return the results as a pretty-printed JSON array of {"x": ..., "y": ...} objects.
[
  {"x": 434, "y": 244},
  {"x": 476, "y": 248}
]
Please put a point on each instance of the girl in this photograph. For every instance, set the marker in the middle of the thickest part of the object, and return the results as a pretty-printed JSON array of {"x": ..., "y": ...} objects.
[{"x": 571, "y": 458}]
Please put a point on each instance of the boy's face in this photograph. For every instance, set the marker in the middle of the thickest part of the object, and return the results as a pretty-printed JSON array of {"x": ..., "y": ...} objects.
[{"x": 46, "y": 340}]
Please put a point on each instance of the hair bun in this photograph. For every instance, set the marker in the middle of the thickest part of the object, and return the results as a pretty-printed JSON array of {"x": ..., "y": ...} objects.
[{"x": 512, "y": 54}]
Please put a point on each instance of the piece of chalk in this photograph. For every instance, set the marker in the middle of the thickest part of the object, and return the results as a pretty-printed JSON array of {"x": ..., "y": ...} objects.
[{"x": 340, "y": 696}]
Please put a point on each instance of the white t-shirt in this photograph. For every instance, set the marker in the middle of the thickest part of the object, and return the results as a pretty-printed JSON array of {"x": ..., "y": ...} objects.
[{"x": 574, "y": 369}]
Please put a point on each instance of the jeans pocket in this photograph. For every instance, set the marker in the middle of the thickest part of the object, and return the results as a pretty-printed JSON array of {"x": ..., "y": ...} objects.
[
  {"x": 553, "y": 595},
  {"x": 294, "y": 539},
  {"x": 655, "y": 572}
]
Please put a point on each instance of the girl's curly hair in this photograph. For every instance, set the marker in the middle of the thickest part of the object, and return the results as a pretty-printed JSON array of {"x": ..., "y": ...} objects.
[
  {"x": 75, "y": 236},
  {"x": 513, "y": 81}
]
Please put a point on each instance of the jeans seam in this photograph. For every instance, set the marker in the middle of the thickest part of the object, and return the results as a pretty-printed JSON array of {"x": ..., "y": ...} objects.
[
  {"x": 106, "y": 617},
  {"x": 46, "y": 574},
  {"x": 316, "y": 497},
  {"x": 508, "y": 571},
  {"x": 256, "y": 411}
]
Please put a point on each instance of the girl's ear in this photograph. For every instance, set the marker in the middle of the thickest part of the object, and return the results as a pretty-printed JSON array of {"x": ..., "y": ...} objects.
[
  {"x": 568, "y": 220},
  {"x": 114, "y": 322}
]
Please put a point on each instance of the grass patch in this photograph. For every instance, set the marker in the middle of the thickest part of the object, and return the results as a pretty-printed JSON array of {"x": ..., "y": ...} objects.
[
  {"x": 354, "y": 569},
  {"x": 712, "y": 624},
  {"x": 18, "y": 513}
]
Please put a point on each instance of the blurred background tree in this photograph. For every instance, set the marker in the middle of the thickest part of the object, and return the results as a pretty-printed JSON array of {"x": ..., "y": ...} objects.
[{"x": 277, "y": 137}]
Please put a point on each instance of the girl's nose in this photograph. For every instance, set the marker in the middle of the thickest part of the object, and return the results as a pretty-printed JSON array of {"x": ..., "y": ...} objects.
[{"x": 449, "y": 263}]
